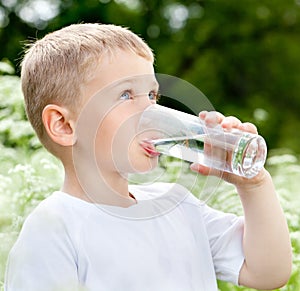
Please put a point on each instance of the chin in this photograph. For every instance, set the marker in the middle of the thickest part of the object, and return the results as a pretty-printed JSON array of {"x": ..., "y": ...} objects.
[{"x": 145, "y": 165}]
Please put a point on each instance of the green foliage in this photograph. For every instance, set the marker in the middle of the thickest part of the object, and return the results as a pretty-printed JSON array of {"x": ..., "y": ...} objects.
[
  {"x": 26, "y": 177},
  {"x": 15, "y": 131},
  {"x": 28, "y": 174},
  {"x": 6, "y": 68},
  {"x": 243, "y": 55}
]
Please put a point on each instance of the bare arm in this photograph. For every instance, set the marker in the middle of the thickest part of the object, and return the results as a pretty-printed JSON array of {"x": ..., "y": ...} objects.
[
  {"x": 266, "y": 243},
  {"x": 267, "y": 246}
]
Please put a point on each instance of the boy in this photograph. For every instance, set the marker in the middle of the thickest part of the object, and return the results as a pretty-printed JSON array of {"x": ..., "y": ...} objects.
[{"x": 97, "y": 233}]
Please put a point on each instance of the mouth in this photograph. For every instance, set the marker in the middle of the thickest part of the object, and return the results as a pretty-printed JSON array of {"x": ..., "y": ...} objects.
[{"x": 149, "y": 148}]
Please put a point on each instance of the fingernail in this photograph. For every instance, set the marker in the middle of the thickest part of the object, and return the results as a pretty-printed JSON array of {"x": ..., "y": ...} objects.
[{"x": 194, "y": 167}]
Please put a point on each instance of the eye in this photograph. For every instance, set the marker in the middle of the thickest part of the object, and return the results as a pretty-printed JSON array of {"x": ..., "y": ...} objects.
[
  {"x": 126, "y": 95},
  {"x": 153, "y": 95}
]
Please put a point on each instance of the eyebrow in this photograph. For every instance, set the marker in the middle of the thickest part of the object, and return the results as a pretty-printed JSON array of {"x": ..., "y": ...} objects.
[{"x": 132, "y": 81}]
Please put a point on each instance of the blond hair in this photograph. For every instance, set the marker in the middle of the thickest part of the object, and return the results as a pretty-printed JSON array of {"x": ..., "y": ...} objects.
[{"x": 55, "y": 67}]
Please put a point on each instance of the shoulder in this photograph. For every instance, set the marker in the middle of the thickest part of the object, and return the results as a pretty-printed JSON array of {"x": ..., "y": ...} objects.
[
  {"x": 57, "y": 207},
  {"x": 53, "y": 228},
  {"x": 47, "y": 244},
  {"x": 56, "y": 219}
]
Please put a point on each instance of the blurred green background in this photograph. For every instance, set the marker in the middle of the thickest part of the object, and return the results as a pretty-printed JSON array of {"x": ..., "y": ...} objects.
[{"x": 243, "y": 55}]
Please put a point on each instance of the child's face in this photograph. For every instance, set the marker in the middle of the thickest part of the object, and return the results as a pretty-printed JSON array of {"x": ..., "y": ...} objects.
[{"x": 125, "y": 86}]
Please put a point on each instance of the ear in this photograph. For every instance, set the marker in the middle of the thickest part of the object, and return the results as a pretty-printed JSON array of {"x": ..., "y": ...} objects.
[{"x": 59, "y": 125}]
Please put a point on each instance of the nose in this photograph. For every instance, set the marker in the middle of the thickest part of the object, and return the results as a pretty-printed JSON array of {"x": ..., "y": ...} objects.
[{"x": 144, "y": 101}]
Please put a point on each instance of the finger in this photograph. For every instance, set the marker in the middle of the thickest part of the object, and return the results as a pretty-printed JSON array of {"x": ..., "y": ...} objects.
[
  {"x": 249, "y": 127},
  {"x": 228, "y": 177},
  {"x": 211, "y": 118},
  {"x": 230, "y": 122},
  {"x": 202, "y": 114}
]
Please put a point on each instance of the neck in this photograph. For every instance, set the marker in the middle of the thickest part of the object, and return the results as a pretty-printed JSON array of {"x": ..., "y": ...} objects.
[{"x": 107, "y": 188}]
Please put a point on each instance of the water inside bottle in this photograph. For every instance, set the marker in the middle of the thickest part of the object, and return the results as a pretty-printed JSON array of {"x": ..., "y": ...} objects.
[
  {"x": 192, "y": 149},
  {"x": 246, "y": 157}
]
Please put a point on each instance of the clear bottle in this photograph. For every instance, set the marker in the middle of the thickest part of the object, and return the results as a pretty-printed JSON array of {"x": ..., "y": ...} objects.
[{"x": 185, "y": 136}]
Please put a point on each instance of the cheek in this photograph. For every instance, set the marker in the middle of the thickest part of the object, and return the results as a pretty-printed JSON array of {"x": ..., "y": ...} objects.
[
  {"x": 114, "y": 140},
  {"x": 120, "y": 151},
  {"x": 118, "y": 148},
  {"x": 124, "y": 147}
]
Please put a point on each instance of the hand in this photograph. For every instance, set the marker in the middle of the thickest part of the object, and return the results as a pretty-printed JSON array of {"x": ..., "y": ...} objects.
[{"x": 212, "y": 119}]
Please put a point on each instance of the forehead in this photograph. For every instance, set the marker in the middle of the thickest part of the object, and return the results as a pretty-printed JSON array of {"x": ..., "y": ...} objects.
[
  {"x": 141, "y": 83},
  {"x": 119, "y": 68}
]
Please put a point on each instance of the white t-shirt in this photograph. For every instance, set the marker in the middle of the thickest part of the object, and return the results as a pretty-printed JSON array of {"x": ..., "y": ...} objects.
[{"x": 168, "y": 241}]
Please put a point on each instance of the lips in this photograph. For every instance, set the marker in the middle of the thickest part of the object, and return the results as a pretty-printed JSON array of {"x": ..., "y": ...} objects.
[{"x": 149, "y": 149}]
